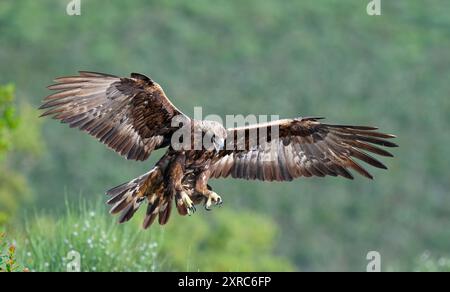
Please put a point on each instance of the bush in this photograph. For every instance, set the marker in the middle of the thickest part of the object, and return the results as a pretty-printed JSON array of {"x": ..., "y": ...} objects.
[
  {"x": 8, "y": 261},
  {"x": 20, "y": 142}
]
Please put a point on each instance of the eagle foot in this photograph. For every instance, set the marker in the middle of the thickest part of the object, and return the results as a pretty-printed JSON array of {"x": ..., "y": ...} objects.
[
  {"x": 188, "y": 203},
  {"x": 213, "y": 199}
]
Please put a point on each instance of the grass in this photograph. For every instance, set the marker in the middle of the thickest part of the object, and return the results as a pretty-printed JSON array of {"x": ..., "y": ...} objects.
[
  {"x": 223, "y": 240},
  {"x": 47, "y": 242},
  {"x": 427, "y": 263}
]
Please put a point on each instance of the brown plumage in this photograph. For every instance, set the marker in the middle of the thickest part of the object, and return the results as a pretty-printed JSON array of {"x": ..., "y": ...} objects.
[
  {"x": 305, "y": 147},
  {"x": 133, "y": 117}
]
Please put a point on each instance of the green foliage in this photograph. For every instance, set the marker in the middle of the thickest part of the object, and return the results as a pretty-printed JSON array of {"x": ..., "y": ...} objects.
[
  {"x": 8, "y": 117},
  {"x": 188, "y": 244},
  {"x": 223, "y": 240},
  {"x": 8, "y": 262},
  {"x": 427, "y": 263},
  {"x": 102, "y": 244},
  {"x": 14, "y": 191},
  {"x": 19, "y": 144},
  {"x": 27, "y": 137}
]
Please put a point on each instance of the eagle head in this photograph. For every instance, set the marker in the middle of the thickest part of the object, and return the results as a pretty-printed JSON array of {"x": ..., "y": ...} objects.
[{"x": 214, "y": 135}]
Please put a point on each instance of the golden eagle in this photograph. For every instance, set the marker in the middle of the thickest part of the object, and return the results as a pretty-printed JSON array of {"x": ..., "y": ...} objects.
[{"x": 133, "y": 116}]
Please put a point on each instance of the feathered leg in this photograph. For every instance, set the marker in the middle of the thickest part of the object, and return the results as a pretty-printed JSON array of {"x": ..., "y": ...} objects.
[
  {"x": 201, "y": 186},
  {"x": 175, "y": 187}
]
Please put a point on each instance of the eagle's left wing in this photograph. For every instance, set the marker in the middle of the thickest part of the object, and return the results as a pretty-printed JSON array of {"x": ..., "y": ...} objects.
[
  {"x": 132, "y": 115},
  {"x": 291, "y": 148}
]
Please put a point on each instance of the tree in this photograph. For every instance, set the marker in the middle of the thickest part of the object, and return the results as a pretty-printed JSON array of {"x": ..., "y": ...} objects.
[{"x": 19, "y": 144}]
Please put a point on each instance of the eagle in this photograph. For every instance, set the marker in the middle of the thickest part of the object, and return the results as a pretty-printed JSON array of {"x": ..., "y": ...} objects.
[{"x": 133, "y": 116}]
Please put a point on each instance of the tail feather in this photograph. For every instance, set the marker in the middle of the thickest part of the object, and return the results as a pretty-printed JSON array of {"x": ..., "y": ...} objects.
[
  {"x": 129, "y": 211},
  {"x": 150, "y": 214},
  {"x": 165, "y": 211},
  {"x": 128, "y": 197},
  {"x": 127, "y": 194}
]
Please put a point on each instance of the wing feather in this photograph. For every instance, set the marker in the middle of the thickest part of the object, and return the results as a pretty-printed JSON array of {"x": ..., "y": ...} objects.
[
  {"x": 306, "y": 148},
  {"x": 130, "y": 115}
]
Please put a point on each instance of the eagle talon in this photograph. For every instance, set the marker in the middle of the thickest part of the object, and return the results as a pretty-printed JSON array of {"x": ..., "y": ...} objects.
[
  {"x": 219, "y": 201},
  {"x": 213, "y": 198},
  {"x": 191, "y": 210},
  {"x": 188, "y": 203}
]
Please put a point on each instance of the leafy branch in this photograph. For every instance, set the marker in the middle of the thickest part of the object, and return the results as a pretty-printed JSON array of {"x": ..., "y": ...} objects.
[{"x": 8, "y": 117}]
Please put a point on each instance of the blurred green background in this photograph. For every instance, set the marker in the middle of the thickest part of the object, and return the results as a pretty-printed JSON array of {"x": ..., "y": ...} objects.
[{"x": 291, "y": 58}]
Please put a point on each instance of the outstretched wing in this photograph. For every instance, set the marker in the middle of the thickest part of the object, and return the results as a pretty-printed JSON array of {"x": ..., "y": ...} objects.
[
  {"x": 299, "y": 147},
  {"x": 130, "y": 115}
]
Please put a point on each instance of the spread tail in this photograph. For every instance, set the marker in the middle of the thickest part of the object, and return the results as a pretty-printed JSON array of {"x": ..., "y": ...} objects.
[{"x": 128, "y": 197}]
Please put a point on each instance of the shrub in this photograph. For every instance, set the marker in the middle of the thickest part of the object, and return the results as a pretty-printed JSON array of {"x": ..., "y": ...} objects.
[
  {"x": 20, "y": 143},
  {"x": 8, "y": 261}
]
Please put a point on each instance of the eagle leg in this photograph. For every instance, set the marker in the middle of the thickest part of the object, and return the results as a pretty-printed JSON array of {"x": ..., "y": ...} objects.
[
  {"x": 175, "y": 185},
  {"x": 213, "y": 198},
  {"x": 201, "y": 187},
  {"x": 185, "y": 200}
]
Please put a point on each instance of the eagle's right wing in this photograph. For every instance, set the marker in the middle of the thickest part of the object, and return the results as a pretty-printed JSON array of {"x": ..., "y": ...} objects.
[
  {"x": 130, "y": 115},
  {"x": 298, "y": 147}
]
